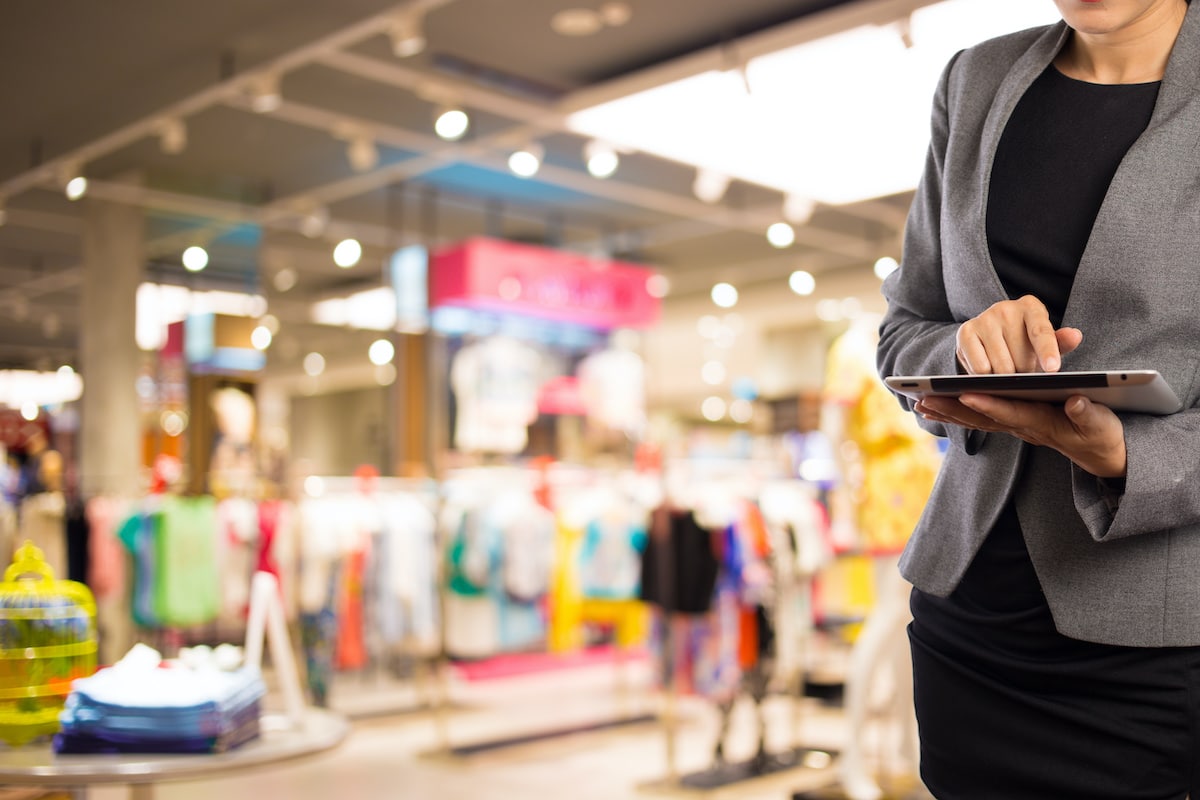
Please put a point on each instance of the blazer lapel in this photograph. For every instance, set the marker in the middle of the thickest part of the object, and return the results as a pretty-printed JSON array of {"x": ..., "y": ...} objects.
[{"x": 1020, "y": 77}]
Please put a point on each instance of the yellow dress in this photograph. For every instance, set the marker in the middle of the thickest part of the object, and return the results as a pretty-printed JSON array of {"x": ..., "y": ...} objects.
[{"x": 890, "y": 464}]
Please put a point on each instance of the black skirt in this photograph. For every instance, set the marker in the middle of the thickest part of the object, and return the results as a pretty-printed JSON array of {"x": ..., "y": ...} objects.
[{"x": 1010, "y": 709}]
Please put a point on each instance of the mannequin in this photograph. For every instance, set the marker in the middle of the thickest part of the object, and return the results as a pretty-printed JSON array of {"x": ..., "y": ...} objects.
[{"x": 888, "y": 466}]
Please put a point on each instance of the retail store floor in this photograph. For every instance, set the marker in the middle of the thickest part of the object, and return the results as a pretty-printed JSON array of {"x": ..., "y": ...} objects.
[{"x": 392, "y": 754}]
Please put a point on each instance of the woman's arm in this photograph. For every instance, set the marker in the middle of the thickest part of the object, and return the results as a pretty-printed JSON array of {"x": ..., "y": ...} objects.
[{"x": 917, "y": 333}]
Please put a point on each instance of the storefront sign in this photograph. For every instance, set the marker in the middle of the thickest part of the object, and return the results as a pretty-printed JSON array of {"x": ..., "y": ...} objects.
[{"x": 544, "y": 283}]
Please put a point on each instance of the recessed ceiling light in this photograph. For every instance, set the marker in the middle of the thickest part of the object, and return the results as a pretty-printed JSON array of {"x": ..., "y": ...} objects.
[
  {"x": 451, "y": 123},
  {"x": 577, "y": 22},
  {"x": 195, "y": 258},
  {"x": 616, "y": 13},
  {"x": 285, "y": 279},
  {"x": 802, "y": 282},
  {"x": 885, "y": 266},
  {"x": 347, "y": 253}
]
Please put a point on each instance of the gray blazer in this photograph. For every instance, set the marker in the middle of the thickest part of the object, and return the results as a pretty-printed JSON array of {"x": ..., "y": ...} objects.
[{"x": 1131, "y": 577}]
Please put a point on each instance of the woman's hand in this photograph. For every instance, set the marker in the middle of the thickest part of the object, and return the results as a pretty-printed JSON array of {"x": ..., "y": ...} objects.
[
  {"x": 1087, "y": 433},
  {"x": 1017, "y": 336},
  {"x": 1013, "y": 336}
]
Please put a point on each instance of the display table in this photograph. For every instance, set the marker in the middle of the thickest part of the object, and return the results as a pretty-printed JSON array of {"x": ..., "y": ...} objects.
[{"x": 318, "y": 731}]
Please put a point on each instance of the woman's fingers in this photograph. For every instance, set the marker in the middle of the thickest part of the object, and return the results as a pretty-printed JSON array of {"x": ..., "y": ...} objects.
[{"x": 1013, "y": 336}]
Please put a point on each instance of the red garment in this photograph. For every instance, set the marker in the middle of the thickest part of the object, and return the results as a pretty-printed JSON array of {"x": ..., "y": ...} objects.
[{"x": 269, "y": 512}]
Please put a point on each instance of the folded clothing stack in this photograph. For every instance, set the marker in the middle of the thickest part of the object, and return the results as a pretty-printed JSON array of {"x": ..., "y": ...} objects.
[{"x": 141, "y": 705}]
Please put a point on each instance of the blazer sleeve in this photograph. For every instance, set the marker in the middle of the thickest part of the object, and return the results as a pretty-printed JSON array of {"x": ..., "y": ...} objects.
[
  {"x": 1161, "y": 485},
  {"x": 917, "y": 333}
]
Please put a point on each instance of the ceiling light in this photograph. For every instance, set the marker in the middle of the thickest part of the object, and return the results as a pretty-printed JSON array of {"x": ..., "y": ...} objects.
[
  {"x": 260, "y": 337},
  {"x": 314, "y": 364},
  {"x": 886, "y": 266},
  {"x": 285, "y": 280},
  {"x": 65, "y": 371},
  {"x": 381, "y": 352},
  {"x": 713, "y": 408},
  {"x": 658, "y": 285},
  {"x": 172, "y": 136},
  {"x": 725, "y": 295},
  {"x": 362, "y": 153},
  {"x": 797, "y": 209},
  {"x": 407, "y": 34},
  {"x": 781, "y": 235},
  {"x": 385, "y": 374},
  {"x": 195, "y": 258},
  {"x": 347, "y": 253},
  {"x": 264, "y": 93},
  {"x": 76, "y": 187},
  {"x": 271, "y": 323},
  {"x": 527, "y": 161},
  {"x": 710, "y": 185},
  {"x": 29, "y": 411},
  {"x": 314, "y": 222},
  {"x": 802, "y": 283},
  {"x": 451, "y": 123},
  {"x": 713, "y": 373},
  {"x": 829, "y": 310},
  {"x": 576, "y": 22},
  {"x": 602, "y": 159},
  {"x": 741, "y": 411},
  {"x": 616, "y": 14}
]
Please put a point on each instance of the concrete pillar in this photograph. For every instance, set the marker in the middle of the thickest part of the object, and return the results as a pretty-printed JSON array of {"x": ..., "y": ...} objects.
[{"x": 110, "y": 432}]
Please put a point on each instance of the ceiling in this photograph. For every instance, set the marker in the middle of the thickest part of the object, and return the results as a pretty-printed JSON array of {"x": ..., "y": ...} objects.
[{"x": 90, "y": 86}]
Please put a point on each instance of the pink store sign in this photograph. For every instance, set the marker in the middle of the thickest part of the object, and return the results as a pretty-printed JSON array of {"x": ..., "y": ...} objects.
[{"x": 507, "y": 277}]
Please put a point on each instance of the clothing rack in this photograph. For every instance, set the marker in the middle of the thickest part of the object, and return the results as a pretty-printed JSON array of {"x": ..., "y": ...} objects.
[{"x": 556, "y": 479}]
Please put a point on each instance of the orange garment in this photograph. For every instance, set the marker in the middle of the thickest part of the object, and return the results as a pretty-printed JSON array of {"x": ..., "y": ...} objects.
[
  {"x": 351, "y": 648},
  {"x": 755, "y": 538}
]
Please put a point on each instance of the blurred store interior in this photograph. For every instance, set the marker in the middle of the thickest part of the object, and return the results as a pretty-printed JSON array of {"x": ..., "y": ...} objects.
[{"x": 451, "y": 314}]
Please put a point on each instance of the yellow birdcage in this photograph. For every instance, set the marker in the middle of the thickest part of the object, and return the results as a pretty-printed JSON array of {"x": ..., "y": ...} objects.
[{"x": 47, "y": 640}]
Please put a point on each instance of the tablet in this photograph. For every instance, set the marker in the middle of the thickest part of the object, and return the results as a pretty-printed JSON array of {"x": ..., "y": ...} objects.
[{"x": 1142, "y": 390}]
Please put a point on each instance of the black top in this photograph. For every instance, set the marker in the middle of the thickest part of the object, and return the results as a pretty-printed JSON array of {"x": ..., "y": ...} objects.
[
  {"x": 1054, "y": 162},
  {"x": 679, "y": 565}
]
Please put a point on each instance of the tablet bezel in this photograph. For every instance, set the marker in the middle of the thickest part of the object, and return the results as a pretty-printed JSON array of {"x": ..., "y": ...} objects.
[{"x": 1140, "y": 390}]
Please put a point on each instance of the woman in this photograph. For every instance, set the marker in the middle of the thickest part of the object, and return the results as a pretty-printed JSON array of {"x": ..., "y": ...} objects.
[{"x": 1056, "y": 632}]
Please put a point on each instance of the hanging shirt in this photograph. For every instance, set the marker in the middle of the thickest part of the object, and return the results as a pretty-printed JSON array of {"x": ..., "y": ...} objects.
[
  {"x": 495, "y": 385},
  {"x": 613, "y": 386},
  {"x": 139, "y": 534},
  {"x": 611, "y": 557},
  {"x": 106, "y": 562},
  {"x": 236, "y": 540},
  {"x": 189, "y": 586}
]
